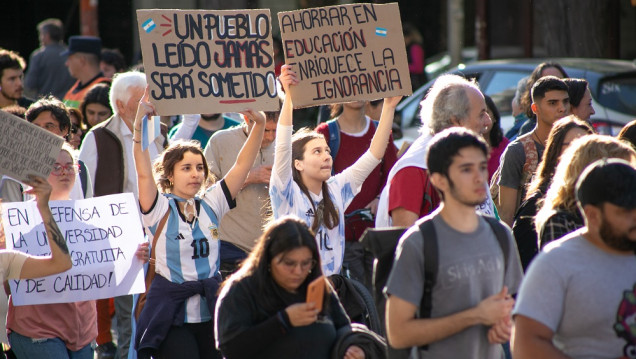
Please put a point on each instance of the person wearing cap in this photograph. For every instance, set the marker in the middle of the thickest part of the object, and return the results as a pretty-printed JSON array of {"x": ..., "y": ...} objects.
[
  {"x": 577, "y": 298},
  {"x": 83, "y": 65}
]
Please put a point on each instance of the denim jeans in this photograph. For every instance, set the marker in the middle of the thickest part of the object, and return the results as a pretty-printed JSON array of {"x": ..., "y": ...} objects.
[
  {"x": 123, "y": 313},
  {"x": 54, "y": 348}
]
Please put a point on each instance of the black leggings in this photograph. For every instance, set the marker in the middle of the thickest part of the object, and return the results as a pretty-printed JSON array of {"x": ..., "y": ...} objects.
[{"x": 192, "y": 341}]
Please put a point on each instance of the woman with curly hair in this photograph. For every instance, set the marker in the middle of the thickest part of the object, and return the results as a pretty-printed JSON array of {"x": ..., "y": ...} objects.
[{"x": 181, "y": 214}]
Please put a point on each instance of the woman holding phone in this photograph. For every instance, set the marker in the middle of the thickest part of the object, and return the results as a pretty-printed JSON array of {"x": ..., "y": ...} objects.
[{"x": 262, "y": 310}]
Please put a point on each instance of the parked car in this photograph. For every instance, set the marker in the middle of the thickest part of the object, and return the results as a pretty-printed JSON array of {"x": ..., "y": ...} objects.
[{"x": 612, "y": 84}]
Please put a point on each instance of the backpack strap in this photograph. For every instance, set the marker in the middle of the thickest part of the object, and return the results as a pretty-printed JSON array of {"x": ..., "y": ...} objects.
[
  {"x": 334, "y": 138},
  {"x": 150, "y": 274},
  {"x": 502, "y": 237},
  {"x": 431, "y": 259},
  {"x": 155, "y": 237},
  {"x": 431, "y": 264}
]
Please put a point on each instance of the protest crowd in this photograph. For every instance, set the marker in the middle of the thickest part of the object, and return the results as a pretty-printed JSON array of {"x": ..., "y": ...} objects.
[{"x": 244, "y": 227}]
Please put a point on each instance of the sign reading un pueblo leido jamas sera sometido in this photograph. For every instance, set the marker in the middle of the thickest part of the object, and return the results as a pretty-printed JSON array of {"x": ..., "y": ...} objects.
[
  {"x": 208, "y": 61},
  {"x": 345, "y": 53}
]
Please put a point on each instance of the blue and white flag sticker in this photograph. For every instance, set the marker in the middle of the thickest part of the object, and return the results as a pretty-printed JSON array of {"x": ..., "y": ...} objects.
[
  {"x": 148, "y": 25},
  {"x": 380, "y": 31},
  {"x": 150, "y": 130}
]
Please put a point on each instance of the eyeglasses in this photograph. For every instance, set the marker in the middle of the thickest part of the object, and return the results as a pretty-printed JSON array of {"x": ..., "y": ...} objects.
[
  {"x": 75, "y": 128},
  {"x": 70, "y": 169},
  {"x": 305, "y": 266}
]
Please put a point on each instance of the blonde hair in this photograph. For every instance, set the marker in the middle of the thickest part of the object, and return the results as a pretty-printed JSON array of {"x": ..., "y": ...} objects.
[{"x": 582, "y": 152}]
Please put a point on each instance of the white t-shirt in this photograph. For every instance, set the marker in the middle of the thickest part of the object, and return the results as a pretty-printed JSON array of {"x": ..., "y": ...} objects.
[
  {"x": 189, "y": 251},
  {"x": 287, "y": 197}
]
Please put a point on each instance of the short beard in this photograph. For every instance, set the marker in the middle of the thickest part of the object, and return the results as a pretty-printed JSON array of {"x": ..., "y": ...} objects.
[
  {"x": 8, "y": 97},
  {"x": 211, "y": 118},
  {"x": 453, "y": 192},
  {"x": 617, "y": 241}
]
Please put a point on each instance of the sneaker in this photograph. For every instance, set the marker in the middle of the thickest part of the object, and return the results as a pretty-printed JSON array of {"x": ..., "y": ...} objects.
[{"x": 106, "y": 351}]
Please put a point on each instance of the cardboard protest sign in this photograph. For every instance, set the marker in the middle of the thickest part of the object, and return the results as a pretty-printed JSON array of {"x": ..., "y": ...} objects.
[
  {"x": 26, "y": 149},
  {"x": 102, "y": 235},
  {"x": 345, "y": 53},
  {"x": 208, "y": 61}
]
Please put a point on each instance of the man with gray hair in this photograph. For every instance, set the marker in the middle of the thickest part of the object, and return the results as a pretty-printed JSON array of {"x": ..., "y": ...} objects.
[
  {"x": 517, "y": 111},
  {"x": 408, "y": 194},
  {"x": 47, "y": 73},
  {"x": 107, "y": 153}
]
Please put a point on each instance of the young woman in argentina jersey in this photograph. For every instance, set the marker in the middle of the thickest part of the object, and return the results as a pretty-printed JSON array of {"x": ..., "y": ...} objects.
[
  {"x": 177, "y": 319},
  {"x": 301, "y": 182}
]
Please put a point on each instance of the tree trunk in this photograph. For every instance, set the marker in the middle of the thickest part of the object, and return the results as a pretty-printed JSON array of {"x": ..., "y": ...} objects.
[{"x": 577, "y": 28}]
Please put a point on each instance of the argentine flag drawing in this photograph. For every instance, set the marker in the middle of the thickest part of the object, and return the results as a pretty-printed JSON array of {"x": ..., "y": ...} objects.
[
  {"x": 150, "y": 129},
  {"x": 148, "y": 25},
  {"x": 380, "y": 31}
]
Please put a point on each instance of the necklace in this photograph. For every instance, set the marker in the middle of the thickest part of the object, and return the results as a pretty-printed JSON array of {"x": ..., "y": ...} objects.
[{"x": 536, "y": 136}]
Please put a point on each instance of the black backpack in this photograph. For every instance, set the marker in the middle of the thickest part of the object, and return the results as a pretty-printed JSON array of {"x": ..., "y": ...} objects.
[
  {"x": 431, "y": 262},
  {"x": 383, "y": 242}
]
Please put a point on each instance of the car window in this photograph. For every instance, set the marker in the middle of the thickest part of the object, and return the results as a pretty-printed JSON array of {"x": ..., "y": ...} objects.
[
  {"x": 618, "y": 94},
  {"x": 501, "y": 88}
]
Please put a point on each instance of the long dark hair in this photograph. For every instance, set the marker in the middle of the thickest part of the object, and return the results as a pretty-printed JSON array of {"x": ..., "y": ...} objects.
[
  {"x": 97, "y": 94},
  {"x": 496, "y": 134},
  {"x": 552, "y": 152},
  {"x": 329, "y": 211},
  {"x": 576, "y": 90},
  {"x": 280, "y": 236}
]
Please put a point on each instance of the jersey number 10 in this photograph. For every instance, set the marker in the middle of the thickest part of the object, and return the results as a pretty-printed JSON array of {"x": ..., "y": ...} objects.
[{"x": 201, "y": 248}]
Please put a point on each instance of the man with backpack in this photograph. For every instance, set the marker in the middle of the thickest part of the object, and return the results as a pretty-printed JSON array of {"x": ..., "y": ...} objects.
[
  {"x": 550, "y": 102},
  {"x": 449, "y": 292}
]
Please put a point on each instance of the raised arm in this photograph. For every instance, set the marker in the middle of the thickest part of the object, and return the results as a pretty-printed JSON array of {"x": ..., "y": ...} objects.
[
  {"x": 60, "y": 260},
  {"x": 145, "y": 180},
  {"x": 189, "y": 124},
  {"x": 383, "y": 132},
  {"x": 287, "y": 78},
  {"x": 235, "y": 177}
]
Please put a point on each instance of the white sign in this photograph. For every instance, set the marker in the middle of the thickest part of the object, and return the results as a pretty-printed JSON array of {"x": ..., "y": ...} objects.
[{"x": 102, "y": 235}]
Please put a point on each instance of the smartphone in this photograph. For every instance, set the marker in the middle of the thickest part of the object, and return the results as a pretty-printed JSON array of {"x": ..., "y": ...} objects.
[{"x": 316, "y": 292}]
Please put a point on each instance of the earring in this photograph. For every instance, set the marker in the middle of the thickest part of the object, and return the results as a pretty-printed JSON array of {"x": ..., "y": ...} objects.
[{"x": 310, "y": 271}]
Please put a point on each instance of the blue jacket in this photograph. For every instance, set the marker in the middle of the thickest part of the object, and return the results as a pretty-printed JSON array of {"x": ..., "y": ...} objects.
[{"x": 165, "y": 307}]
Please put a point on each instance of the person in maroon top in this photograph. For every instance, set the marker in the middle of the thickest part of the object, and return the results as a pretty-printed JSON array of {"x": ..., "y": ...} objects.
[
  {"x": 356, "y": 132},
  {"x": 494, "y": 136}
]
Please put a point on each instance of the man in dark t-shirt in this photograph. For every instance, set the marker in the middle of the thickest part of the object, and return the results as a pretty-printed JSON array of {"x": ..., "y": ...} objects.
[{"x": 550, "y": 102}]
